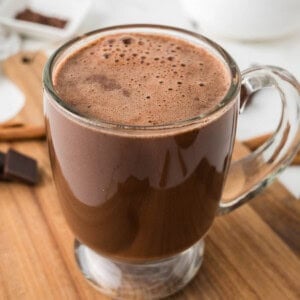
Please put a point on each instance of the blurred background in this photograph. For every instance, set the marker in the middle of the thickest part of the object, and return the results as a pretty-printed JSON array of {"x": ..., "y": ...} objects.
[{"x": 254, "y": 32}]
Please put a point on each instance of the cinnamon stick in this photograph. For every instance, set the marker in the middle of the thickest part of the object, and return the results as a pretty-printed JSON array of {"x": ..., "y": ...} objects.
[
  {"x": 257, "y": 141},
  {"x": 24, "y": 132},
  {"x": 11, "y": 123},
  {"x": 254, "y": 143}
]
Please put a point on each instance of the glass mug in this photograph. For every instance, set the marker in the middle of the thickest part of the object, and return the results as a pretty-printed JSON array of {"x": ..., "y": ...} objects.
[{"x": 140, "y": 199}]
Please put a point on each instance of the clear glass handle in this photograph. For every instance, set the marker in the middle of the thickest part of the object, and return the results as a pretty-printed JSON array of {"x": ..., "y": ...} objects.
[{"x": 249, "y": 175}]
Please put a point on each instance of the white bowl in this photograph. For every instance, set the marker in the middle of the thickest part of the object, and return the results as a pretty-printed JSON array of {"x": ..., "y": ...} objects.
[
  {"x": 73, "y": 11},
  {"x": 245, "y": 19}
]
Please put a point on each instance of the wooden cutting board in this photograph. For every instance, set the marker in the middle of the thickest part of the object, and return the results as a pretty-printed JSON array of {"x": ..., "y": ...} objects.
[{"x": 252, "y": 253}]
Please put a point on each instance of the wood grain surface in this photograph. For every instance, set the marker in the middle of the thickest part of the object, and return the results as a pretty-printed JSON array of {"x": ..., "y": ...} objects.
[{"x": 252, "y": 253}]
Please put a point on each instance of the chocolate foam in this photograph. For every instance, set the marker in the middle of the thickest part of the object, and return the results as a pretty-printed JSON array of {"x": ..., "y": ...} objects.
[{"x": 141, "y": 79}]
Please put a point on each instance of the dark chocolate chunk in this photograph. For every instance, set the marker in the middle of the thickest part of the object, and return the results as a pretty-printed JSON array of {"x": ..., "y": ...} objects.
[
  {"x": 2, "y": 157},
  {"x": 20, "y": 167},
  {"x": 31, "y": 16}
]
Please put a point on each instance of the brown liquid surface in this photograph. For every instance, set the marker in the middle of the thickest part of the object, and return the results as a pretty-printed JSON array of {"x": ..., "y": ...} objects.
[
  {"x": 141, "y": 79},
  {"x": 140, "y": 197}
]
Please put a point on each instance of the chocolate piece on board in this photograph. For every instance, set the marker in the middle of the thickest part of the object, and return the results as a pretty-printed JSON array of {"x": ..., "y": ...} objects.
[
  {"x": 2, "y": 158},
  {"x": 18, "y": 166}
]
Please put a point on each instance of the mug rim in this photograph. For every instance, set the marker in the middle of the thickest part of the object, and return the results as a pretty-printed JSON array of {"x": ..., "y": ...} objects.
[{"x": 230, "y": 96}]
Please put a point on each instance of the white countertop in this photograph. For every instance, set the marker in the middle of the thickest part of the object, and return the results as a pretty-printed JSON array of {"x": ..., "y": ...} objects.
[{"x": 261, "y": 116}]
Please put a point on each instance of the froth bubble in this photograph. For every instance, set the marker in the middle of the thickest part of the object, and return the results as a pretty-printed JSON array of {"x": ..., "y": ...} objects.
[{"x": 127, "y": 40}]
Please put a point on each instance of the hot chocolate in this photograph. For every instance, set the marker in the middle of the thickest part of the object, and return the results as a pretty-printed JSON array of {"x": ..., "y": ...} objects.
[{"x": 141, "y": 194}]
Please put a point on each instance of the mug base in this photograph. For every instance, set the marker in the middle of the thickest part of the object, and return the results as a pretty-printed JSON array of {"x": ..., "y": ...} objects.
[{"x": 151, "y": 280}]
